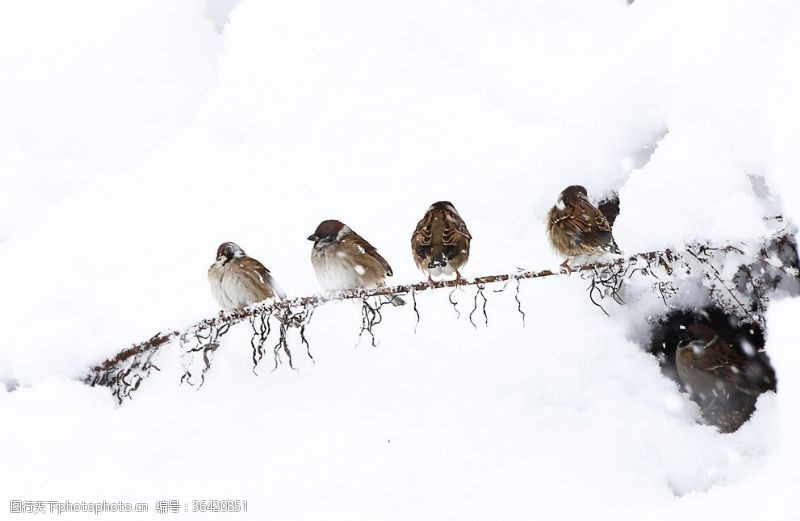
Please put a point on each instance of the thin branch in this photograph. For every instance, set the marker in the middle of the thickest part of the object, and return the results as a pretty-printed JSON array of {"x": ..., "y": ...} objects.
[
  {"x": 235, "y": 316},
  {"x": 125, "y": 371}
]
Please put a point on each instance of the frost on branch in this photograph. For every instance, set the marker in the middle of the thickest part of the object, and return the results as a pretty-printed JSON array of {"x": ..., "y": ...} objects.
[{"x": 739, "y": 280}]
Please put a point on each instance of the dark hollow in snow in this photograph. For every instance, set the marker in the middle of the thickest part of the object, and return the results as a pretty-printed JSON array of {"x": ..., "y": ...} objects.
[{"x": 718, "y": 361}]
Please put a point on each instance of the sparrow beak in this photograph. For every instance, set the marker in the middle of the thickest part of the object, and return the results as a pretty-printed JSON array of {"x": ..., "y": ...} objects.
[{"x": 312, "y": 238}]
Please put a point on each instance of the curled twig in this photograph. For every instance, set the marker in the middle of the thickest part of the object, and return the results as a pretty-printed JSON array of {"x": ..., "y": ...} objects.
[
  {"x": 454, "y": 303},
  {"x": 479, "y": 287},
  {"x": 260, "y": 334},
  {"x": 371, "y": 316},
  {"x": 416, "y": 310},
  {"x": 519, "y": 303}
]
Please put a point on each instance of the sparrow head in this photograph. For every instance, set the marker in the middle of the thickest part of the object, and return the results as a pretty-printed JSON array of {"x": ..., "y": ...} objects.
[
  {"x": 702, "y": 332},
  {"x": 228, "y": 251},
  {"x": 698, "y": 338},
  {"x": 573, "y": 194},
  {"x": 446, "y": 206},
  {"x": 329, "y": 231}
]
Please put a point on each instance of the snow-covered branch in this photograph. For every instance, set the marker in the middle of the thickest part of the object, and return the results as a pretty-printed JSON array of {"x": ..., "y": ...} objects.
[{"x": 758, "y": 271}]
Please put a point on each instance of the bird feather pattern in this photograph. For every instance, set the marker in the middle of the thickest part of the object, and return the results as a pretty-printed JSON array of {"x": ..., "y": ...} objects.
[
  {"x": 576, "y": 227},
  {"x": 342, "y": 259},
  {"x": 724, "y": 381},
  {"x": 715, "y": 361},
  {"x": 238, "y": 280},
  {"x": 441, "y": 239}
]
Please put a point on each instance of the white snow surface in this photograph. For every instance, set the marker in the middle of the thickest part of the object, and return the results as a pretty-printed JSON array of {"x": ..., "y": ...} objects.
[{"x": 136, "y": 136}]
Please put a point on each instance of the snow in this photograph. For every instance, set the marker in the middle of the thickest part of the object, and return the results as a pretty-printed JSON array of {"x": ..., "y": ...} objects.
[
  {"x": 138, "y": 136},
  {"x": 713, "y": 195},
  {"x": 91, "y": 87}
]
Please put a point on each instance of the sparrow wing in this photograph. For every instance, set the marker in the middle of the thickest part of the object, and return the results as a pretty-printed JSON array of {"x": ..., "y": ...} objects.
[
  {"x": 421, "y": 238},
  {"x": 440, "y": 233},
  {"x": 720, "y": 362},
  {"x": 455, "y": 236},
  {"x": 259, "y": 276},
  {"x": 365, "y": 248},
  {"x": 422, "y": 233},
  {"x": 587, "y": 227}
]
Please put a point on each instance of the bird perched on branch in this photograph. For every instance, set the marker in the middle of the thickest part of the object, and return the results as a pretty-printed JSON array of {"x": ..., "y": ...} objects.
[
  {"x": 342, "y": 259},
  {"x": 576, "y": 227},
  {"x": 238, "y": 280},
  {"x": 724, "y": 381},
  {"x": 440, "y": 243}
]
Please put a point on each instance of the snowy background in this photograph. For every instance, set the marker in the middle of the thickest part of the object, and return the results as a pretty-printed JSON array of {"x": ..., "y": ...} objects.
[{"x": 137, "y": 135}]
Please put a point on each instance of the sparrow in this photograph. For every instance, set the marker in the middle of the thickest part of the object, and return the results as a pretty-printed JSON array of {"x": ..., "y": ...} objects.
[
  {"x": 576, "y": 227},
  {"x": 238, "y": 280},
  {"x": 725, "y": 382},
  {"x": 440, "y": 243},
  {"x": 342, "y": 259}
]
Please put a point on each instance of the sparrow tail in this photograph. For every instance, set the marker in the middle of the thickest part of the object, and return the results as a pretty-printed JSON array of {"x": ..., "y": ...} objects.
[{"x": 396, "y": 301}]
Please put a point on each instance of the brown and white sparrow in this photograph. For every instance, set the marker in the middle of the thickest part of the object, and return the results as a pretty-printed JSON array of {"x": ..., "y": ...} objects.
[
  {"x": 725, "y": 382},
  {"x": 576, "y": 227},
  {"x": 440, "y": 243},
  {"x": 342, "y": 259},
  {"x": 238, "y": 280}
]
